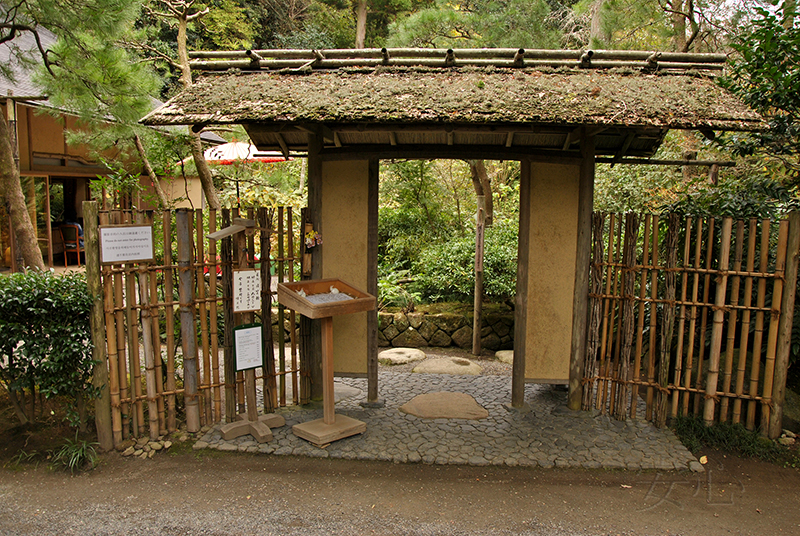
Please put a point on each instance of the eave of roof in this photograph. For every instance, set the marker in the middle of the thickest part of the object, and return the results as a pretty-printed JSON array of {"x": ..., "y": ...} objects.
[{"x": 461, "y": 96}]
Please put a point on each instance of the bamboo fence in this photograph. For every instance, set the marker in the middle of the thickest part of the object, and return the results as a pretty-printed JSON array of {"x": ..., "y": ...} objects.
[
  {"x": 169, "y": 323},
  {"x": 712, "y": 321}
]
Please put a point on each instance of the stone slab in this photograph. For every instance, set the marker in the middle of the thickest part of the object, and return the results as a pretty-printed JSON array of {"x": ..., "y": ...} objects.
[
  {"x": 505, "y": 356},
  {"x": 319, "y": 433},
  {"x": 448, "y": 365},
  {"x": 400, "y": 356},
  {"x": 257, "y": 429},
  {"x": 444, "y": 405}
]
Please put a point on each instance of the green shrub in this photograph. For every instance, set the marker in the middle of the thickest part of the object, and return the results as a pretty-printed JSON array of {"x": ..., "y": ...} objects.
[
  {"x": 46, "y": 340},
  {"x": 446, "y": 271}
]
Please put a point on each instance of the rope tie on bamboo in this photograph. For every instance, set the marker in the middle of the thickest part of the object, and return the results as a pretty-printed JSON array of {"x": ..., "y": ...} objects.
[
  {"x": 723, "y": 308},
  {"x": 715, "y": 398}
]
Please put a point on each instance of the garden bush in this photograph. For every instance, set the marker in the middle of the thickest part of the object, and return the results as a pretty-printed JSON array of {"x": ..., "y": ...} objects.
[
  {"x": 446, "y": 271},
  {"x": 46, "y": 341}
]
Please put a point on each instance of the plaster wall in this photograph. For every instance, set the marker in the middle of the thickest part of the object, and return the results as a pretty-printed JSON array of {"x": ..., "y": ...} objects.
[
  {"x": 344, "y": 215},
  {"x": 553, "y": 234}
]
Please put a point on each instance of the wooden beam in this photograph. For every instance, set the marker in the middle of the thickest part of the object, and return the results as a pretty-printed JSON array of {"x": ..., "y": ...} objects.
[
  {"x": 392, "y": 138},
  {"x": 315, "y": 129},
  {"x": 580, "y": 302},
  {"x": 572, "y": 137},
  {"x": 521, "y": 299},
  {"x": 282, "y": 143},
  {"x": 372, "y": 279},
  {"x": 432, "y": 152},
  {"x": 659, "y": 162},
  {"x": 336, "y": 141},
  {"x": 510, "y": 139},
  {"x": 626, "y": 144}
]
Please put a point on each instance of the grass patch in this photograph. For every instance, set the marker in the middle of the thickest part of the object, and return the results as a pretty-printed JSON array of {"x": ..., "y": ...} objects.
[
  {"x": 77, "y": 455},
  {"x": 735, "y": 438}
]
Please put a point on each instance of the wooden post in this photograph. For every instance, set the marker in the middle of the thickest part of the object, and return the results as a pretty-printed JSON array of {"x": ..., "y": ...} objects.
[
  {"x": 372, "y": 280},
  {"x": 229, "y": 363},
  {"x": 785, "y": 329},
  {"x": 314, "y": 341},
  {"x": 521, "y": 299},
  {"x": 627, "y": 316},
  {"x": 188, "y": 329},
  {"x": 265, "y": 223},
  {"x": 102, "y": 405},
  {"x": 580, "y": 303},
  {"x": 281, "y": 314},
  {"x": 169, "y": 298},
  {"x": 668, "y": 322},
  {"x": 480, "y": 223}
]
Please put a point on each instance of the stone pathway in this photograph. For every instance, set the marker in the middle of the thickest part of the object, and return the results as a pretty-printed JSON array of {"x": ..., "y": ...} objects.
[{"x": 549, "y": 435}]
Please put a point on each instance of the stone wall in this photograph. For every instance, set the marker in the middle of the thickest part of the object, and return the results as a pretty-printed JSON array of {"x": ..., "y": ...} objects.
[{"x": 416, "y": 330}]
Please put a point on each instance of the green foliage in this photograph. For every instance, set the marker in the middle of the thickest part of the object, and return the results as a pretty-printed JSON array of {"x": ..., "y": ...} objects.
[
  {"x": 480, "y": 23},
  {"x": 46, "y": 342},
  {"x": 694, "y": 434},
  {"x": 765, "y": 73},
  {"x": 756, "y": 197},
  {"x": 446, "y": 271},
  {"x": 75, "y": 455},
  {"x": 392, "y": 293}
]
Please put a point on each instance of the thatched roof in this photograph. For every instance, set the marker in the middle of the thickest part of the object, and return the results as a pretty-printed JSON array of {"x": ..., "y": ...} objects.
[{"x": 459, "y": 99}]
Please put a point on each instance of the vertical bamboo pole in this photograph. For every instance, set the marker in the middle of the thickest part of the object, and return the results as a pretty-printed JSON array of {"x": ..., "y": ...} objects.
[
  {"x": 687, "y": 383},
  {"x": 305, "y": 323},
  {"x": 595, "y": 312},
  {"x": 100, "y": 377},
  {"x": 731, "y": 341},
  {"x": 281, "y": 315},
  {"x": 117, "y": 307},
  {"x": 169, "y": 311},
  {"x": 147, "y": 344},
  {"x": 626, "y": 335},
  {"x": 741, "y": 369},
  {"x": 152, "y": 277},
  {"x": 292, "y": 314},
  {"x": 784, "y": 342},
  {"x": 774, "y": 323},
  {"x": 668, "y": 322},
  {"x": 687, "y": 249},
  {"x": 758, "y": 334},
  {"x": 188, "y": 328},
  {"x": 615, "y": 342},
  {"x": 112, "y": 349},
  {"x": 137, "y": 408},
  {"x": 238, "y": 247},
  {"x": 269, "y": 386},
  {"x": 637, "y": 367},
  {"x": 704, "y": 314},
  {"x": 227, "y": 297},
  {"x": 651, "y": 351},
  {"x": 712, "y": 376},
  {"x": 206, "y": 415},
  {"x": 602, "y": 385},
  {"x": 214, "y": 330}
]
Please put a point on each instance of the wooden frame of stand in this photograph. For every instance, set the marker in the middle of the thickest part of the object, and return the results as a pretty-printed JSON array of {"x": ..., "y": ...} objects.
[{"x": 332, "y": 427}]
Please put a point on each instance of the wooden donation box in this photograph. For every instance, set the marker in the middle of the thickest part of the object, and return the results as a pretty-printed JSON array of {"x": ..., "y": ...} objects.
[{"x": 323, "y": 299}]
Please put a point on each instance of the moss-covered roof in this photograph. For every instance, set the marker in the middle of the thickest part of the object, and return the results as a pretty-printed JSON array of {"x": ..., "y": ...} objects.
[{"x": 460, "y": 96}]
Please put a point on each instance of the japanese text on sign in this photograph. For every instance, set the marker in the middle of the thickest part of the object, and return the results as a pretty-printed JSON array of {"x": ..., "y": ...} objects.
[
  {"x": 128, "y": 243},
  {"x": 246, "y": 290}
]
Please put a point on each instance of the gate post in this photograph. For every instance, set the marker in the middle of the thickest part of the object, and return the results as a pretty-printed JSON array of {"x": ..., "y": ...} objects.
[{"x": 102, "y": 405}]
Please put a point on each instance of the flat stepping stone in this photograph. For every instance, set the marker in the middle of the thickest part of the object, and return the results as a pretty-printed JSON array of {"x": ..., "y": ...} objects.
[
  {"x": 400, "y": 356},
  {"x": 444, "y": 405},
  {"x": 449, "y": 365},
  {"x": 342, "y": 391},
  {"x": 505, "y": 356}
]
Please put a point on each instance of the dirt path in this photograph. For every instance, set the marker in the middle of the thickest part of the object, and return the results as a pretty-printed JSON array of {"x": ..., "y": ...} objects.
[{"x": 236, "y": 494}]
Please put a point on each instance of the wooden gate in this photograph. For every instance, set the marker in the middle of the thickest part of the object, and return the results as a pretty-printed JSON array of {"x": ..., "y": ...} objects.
[
  {"x": 691, "y": 316},
  {"x": 169, "y": 323}
]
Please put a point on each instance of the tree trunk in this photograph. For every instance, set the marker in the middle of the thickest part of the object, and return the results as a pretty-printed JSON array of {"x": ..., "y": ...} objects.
[
  {"x": 196, "y": 145},
  {"x": 678, "y": 26},
  {"x": 597, "y": 36},
  {"x": 483, "y": 186},
  {"x": 361, "y": 23},
  {"x": 162, "y": 197},
  {"x": 789, "y": 12},
  {"x": 11, "y": 191}
]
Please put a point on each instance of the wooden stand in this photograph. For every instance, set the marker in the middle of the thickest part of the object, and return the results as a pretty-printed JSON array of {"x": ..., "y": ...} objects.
[
  {"x": 331, "y": 427},
  {"x": 250, "y": 422}
]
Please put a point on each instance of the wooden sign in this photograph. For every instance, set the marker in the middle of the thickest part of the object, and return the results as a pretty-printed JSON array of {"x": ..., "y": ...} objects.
[
  {"x": 126, "y": 243},
  {"x": 247, "y": 346},
  {"x": 246, "y": 290}
]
